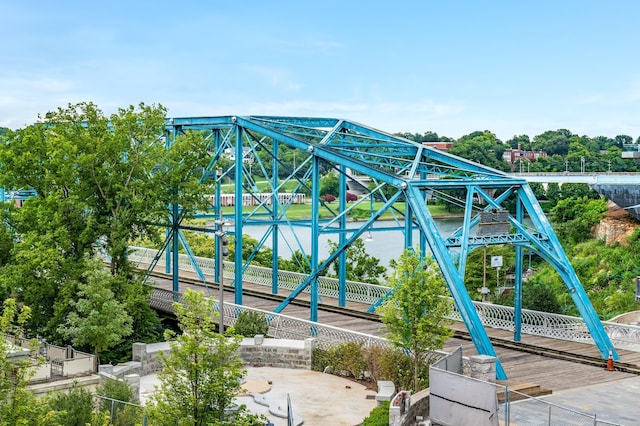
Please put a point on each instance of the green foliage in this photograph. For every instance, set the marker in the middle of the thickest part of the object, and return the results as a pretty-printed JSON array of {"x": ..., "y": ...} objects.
[
  {"x": 201, "y": 375},
  {"x": 330, "y": 184},
  {"x": 97, "y": 319},
  {"x": 396, "y": 365},
  {"x": 379, "y": 416},
  {"x": 262, "y": 256},
  {"x": 479, "y": 271},
  {"x": 71, "y": 408},
  {"x": 537, "y": 295},
  {"x": 379, "y": 363},
  {"x": 297, "y": 263},
  {"x": 17, "y": 405},
  {"x": 250, "y": 324},
  {"x": 359, "y": 265},
  {"x": 358, "y": 213},
  {"x": 416, "y": 313},
  {"x": 102, "y": 181},
  {"x": 607, "y": 273},
  {"x": 346, "y": 358},
  {"x": 574, "y": 218},
  {"x": 481, "y": 147},
  {"x": 552, "y": 142},
  {"x": 120, "y": 414}
]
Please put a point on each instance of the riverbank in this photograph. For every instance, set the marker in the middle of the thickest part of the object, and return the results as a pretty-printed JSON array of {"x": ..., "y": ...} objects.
[{"x": 303, "y": 212}]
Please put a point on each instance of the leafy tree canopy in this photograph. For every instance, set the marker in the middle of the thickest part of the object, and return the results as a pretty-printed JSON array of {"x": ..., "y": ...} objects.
[{"x": 416, "y": 314}]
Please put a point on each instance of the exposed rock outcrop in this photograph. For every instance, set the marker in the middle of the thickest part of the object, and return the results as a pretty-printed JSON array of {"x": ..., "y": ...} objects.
[{"x": 617, "y": 226}]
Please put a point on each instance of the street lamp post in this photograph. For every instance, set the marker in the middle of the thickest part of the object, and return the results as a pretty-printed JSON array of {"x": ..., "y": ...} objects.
[{"x": 223, "y": 252}]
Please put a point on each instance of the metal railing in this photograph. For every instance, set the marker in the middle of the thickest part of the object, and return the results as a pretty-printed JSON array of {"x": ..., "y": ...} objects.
[
  {"x": 120, "y": 412},
  {"x": 519, "y": 408},
  {"x": 258, "y": 275},
  {"x": 537, "y": 323},
  {"x": 280, "y": 326}
]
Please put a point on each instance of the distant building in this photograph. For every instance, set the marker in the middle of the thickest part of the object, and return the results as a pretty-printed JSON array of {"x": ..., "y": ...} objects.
[
  {"x": 512, "y": 156},
  {"x": 441, "y": 145},
  {"x": 247, "y": 154}
]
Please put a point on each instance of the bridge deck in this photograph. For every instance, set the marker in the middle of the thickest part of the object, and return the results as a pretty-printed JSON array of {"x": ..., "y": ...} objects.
[{"x": 521, "y": 367}]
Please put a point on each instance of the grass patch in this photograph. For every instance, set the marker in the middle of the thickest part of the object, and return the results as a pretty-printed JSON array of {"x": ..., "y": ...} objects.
[{"x": 303, "y": 211}]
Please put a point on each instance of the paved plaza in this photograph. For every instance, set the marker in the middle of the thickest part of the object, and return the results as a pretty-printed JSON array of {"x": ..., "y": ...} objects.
[{"x": 316, "y": 398}]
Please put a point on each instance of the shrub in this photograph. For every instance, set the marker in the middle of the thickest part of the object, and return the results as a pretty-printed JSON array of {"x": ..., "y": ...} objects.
[
  {"x": 352, "y": 358},
  {"x": 328, "y": 198},
  {"x": 349, "y": 358},
  {"x": 379, "y": 416},
  {"x": 251, "y": 323},
  {"x": 351, "y": 197},
  {"x": 321, "y": 359},
  {"x": 373, "y": 355},
  {"x": 72, "y": 408},
  {"x": 395, "y": 365},
  {"x": 120, "y": 414}
]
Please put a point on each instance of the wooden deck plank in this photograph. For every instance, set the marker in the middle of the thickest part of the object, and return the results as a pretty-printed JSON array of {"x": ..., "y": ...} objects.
[{"x": 521, "y": 367}]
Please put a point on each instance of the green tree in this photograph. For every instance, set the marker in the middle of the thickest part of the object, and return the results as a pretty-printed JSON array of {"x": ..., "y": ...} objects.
[
  {"x": 574, "y": 218},
  {"x": 105, "y": 180},
  {"x": 120, "y": 414},
  {"x": 201, "y": 375},
  {"x": 17, "y": 405},
  {"x": 97, "y": 319},
  {"x": 298, "y": 262},
  {"x": 102, "y": 181},
  {"x": 360, "y": 266},
  {"x": 71, "y": 408},
  {"x": 481, "y": 147},
  {"x": 330, "y": 184},
  {"x": 416, "y": 313},
  {"x": 552, "y": 142}
]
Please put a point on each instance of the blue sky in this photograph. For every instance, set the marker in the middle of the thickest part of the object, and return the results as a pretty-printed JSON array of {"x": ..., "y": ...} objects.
[{"x": 453, "y": 67}]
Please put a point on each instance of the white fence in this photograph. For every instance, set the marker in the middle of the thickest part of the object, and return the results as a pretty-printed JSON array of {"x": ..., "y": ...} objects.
[{"x": 537, "y": 323}]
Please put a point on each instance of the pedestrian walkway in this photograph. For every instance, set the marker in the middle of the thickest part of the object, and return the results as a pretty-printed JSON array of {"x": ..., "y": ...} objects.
[
  {"x": 316, "y": 398},
  {"x": 616, "y": 402}
]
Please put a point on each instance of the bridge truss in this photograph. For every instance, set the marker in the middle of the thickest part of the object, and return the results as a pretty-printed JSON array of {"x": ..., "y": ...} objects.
[{"x": 401, "y": 172}]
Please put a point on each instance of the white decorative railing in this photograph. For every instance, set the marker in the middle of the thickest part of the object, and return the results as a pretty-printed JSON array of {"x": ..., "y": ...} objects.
[
  {"x": 258, "y": 275},
  {"x": 537, "y": 323},
  {"x": 280, "y": 326}
]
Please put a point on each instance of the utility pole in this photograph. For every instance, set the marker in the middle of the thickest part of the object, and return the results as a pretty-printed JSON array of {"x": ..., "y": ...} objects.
[{"x": 223, "y": 251}]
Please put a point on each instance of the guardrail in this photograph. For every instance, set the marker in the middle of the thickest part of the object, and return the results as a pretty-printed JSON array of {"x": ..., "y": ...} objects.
[
  {"x": 537, "y": 323},
  {"x": 280, "y": 325}
]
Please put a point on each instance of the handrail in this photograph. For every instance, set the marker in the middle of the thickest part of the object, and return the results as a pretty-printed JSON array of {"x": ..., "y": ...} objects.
[{"x": 537, "y": 323}]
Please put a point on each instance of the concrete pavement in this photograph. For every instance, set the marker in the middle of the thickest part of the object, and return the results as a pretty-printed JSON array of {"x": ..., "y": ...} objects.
[
  {"x": 616, "y": 402},
  {"x": 316, "y": 398}
]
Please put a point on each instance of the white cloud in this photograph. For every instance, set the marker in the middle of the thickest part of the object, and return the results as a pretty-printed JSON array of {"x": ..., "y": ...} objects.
[{"x": 277, "y": 78}]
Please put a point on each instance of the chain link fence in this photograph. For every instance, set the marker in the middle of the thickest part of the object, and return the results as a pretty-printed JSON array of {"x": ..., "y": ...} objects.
[{"x": 120, "y": 413}]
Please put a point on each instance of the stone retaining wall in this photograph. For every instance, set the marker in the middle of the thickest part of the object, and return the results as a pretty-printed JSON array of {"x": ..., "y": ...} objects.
[
  {"x": 280, "y": 353},
  {"x": 254, "y": 351}
]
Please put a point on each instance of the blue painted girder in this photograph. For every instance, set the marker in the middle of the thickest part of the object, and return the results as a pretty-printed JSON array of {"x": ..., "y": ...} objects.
[
  {"x": 412, "y": 169},
  {"x": 452, "y": 276}
]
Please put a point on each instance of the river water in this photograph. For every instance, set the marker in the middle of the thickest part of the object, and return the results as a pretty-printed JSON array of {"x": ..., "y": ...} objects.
[{"x": 384, "y": 244}]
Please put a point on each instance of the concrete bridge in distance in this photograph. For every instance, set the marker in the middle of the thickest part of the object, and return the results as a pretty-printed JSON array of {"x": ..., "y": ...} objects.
[
  {"x": 591, "y": 178},
  {"x": 621, "y": 188}
]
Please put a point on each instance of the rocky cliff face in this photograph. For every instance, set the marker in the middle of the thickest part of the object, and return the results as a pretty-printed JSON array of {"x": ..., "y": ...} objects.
[{"x": 616, "y": 227}]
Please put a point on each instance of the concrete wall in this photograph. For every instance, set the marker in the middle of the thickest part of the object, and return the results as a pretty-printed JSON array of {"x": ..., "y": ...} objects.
[
  {"x": 77, "y": 366},
  {"x": 258, "y": 352},
  {"x": 280, "y": 353}
]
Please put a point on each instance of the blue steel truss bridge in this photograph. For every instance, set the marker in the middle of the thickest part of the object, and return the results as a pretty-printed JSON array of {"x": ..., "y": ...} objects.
[{"x": 247, "y": 150}]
